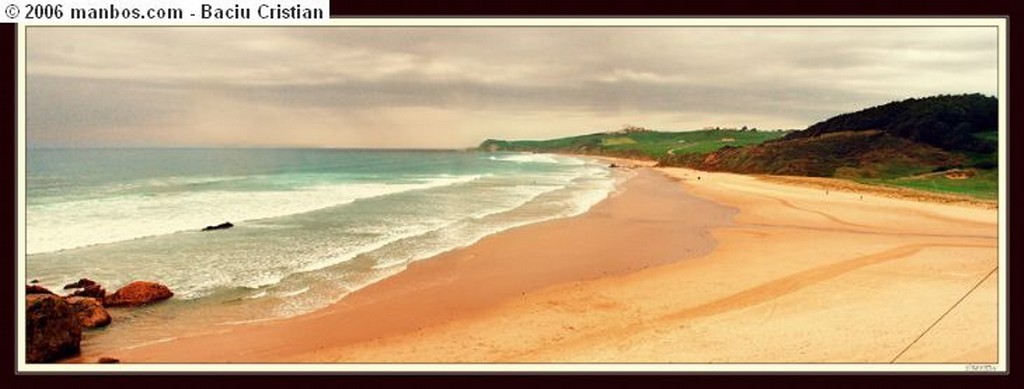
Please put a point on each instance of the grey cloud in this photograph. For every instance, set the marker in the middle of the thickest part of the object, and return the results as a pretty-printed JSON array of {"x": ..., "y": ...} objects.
[
  {"x": 80, "y": 79},
  {"x": 62, "y": 105},
  {"x": 756, "y": 98}
]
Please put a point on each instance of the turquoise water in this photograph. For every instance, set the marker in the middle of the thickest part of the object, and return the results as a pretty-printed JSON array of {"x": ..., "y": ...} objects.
[{"x": 310, "y": 225}]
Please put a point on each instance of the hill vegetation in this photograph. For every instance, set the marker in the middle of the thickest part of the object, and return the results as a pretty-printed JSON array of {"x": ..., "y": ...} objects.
[
  {"x": 945, "y": 143},
  {"x": 942, "y": 143},
  {"x": 849, "y": 154},
  {"x": 639, "y": 143},
  {"x": 949, "y": 122}
]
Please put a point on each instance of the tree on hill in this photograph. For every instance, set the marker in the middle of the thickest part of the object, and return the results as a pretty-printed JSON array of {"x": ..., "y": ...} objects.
[{"x": 945, "y": 121}]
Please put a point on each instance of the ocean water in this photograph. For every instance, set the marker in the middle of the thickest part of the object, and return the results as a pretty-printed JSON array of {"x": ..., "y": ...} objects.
[{"x": 311, "y": 225}]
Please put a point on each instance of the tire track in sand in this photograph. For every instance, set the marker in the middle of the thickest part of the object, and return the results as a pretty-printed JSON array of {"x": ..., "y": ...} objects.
[
  {"x": 833, "y": 218},
  {"x": 792, "y": 283},
  {"x": 753, "y": 296},
  {"x": 816, "y": 212}
]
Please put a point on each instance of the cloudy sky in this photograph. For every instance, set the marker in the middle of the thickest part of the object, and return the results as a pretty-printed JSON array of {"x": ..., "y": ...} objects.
[{"x": 454, "y": 87}]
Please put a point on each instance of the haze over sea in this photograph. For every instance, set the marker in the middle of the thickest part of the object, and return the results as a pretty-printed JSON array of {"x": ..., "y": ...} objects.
[{"x": 311, "y": 225}]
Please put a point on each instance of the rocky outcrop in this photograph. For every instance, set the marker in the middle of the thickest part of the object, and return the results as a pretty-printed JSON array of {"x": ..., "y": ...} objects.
[
  {"x": 959, "y": 174},
  {"x": 52, "y": 328},
  {"x": 82, "y": 283},
  {"x": 90, "y": 311},
  {"x": 138, "y": 293},
  {"x": 95, "y": 291},
  {"x": 222, "y": 226},
  {"x": 36, "y": 289}
]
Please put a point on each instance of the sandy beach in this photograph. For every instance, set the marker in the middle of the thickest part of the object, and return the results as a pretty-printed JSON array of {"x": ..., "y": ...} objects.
[
  {"x": 671, "y": 268},
  {"x": 441, "y": 195}
]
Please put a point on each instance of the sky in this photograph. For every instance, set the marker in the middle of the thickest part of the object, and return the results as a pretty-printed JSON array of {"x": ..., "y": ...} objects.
[{"x": 453, "y": 87}]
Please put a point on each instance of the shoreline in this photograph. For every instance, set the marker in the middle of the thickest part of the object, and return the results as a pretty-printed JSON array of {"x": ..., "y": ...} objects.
[
  {"x": 494, "y": 269},
  {"x": 797, "y": 276},
  {"x": 828, "y": 183},
  {"x": 817, "y": 283}
]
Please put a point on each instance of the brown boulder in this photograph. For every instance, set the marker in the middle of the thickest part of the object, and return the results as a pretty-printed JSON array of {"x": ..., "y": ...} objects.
[
  {"x": 36, "y": 289},
  {"x": 84, "y": 282},
  {"x": 94, "y": 291},
  {"x": 90, "y": 311},
  {"x": 138, "y": 293},
  {"x": 52, "y": 329}
]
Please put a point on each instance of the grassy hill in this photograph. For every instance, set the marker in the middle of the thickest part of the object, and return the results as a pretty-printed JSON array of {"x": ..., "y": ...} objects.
[
  {"x": 942, "y": 144},
  {"x": 638, "y": 143},
  {"x": 853, "y": 154}
]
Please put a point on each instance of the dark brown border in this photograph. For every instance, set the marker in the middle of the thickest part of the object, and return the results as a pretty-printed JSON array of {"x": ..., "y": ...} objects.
[
  {"x": 542, "y": 8},
  {"x": 664, "y": 8},
  {"x": 8, "y": 84},
  {"x": 9, "y": 197}
]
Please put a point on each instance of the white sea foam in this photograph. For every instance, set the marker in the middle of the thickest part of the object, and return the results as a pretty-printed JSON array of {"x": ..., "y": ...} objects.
[
  {"x": 250, "y": 321},
  {"x": 305, "y": 304},
  {"x": 59, "y": 226},
  {"x": 579, "y": 201},
  {"x": 261, "y": 279},
  {"x": 312, "y": 271},
  {"x": 294, "y": 292},
  {"x": 152, "y": 342},
  {"x": 255, "y": 295},
  {"x": 348, "y": 253},
  {"x": 179, "y": 181},
  {"x": 538, "y": 158}
]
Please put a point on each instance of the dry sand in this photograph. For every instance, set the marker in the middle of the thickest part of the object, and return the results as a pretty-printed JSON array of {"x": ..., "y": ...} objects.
[{"x": 798, "y": 276}]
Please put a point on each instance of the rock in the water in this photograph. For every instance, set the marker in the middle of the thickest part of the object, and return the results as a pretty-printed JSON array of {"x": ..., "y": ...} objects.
[
  {"x": 222, "y": 226},
  {"x": 138, "y": 293},
  {"x": 34, "y": 282},
  {"x": 90, "y": 311},
  {"x": 82, "y": 283},
  {"x": 94, "y": 291},
  {"x": 52, "y": 329},
  {"x": 36, "y": 289},
  {"x": 108, "y": 360}
]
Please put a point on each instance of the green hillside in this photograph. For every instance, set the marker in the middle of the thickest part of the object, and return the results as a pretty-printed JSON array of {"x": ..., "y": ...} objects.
[
  {"x": 943, "y": 144},
  {"x": 638, "y": 143},
  {"x": 860, "y": 154}
]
